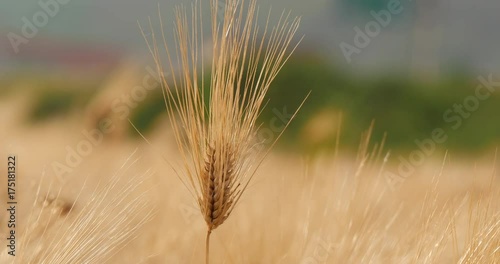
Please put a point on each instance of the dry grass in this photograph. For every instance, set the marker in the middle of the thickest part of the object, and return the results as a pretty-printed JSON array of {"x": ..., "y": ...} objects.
[
  {"x": 341, "y": 210},
  {"x": 89, "y": 226}
]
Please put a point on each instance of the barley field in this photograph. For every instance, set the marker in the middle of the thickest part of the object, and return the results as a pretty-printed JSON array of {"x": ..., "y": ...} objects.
[
  {"x": 299, "y": 209},
  {"x": 192, "y": 165}
]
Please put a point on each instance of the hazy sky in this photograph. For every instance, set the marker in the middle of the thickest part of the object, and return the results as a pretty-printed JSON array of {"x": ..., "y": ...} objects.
[{"x": 462, "y": 31}]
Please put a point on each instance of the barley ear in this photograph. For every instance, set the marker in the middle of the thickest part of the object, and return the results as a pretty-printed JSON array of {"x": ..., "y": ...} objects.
[{"x": 217, "y": 137}]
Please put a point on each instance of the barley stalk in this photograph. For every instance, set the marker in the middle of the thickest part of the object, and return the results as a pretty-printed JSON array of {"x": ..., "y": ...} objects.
[{"x": 217, "y": 140}]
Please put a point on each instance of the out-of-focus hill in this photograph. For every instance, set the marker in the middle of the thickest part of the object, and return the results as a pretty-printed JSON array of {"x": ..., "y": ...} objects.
[{"x": 403, "y": 108}]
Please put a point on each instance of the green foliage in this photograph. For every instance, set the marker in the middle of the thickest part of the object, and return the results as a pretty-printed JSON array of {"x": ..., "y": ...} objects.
[
  {"x": 147, "y": 112},
  {"x": 404, "y": 108},
  {"x": 56, "y": 100},
  {"x": 51, "y": 103}
]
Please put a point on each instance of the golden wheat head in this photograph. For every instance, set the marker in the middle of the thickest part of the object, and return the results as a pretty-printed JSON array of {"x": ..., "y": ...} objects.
[{"x": 217, "y": 137}]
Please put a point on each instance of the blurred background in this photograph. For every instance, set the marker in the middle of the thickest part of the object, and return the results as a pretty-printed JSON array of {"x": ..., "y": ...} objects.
[
  {"x": 410, "y": 66},
  {"x": 424, "y": 75}
]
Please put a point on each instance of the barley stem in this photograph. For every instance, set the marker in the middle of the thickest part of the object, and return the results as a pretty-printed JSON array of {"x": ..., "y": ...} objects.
[{"x": 207, "y": 246}]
